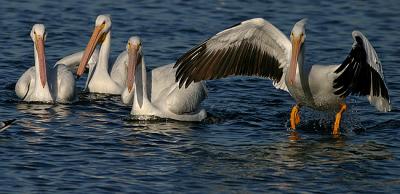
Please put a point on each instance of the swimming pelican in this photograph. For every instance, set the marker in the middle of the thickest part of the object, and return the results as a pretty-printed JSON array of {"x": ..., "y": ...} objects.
[
  {"x": 156, "y": 93},
  {"x": 41, "y": 84},
  {"x": 99, "y": 80},
  {"x": 257, "y": 48}
]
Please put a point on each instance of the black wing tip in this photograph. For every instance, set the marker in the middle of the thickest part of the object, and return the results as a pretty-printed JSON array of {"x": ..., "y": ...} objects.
[
  {"x": 357, "y": 76},
  {"x": 184, "y": 67},
  {"x": 180, "y": 82},
  {"x": 359, "y": 40},
  {"x": 358, "y": 34},
  {"x": 183, "y": 83},
  {"x": 224, "y": 62},
  {"x": 206, "y": 62}
]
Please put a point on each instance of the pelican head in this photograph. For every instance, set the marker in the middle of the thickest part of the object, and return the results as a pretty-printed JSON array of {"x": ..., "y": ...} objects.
[
  {"x": 38, "y": 35},
  {"x": 297, "y": 38},
  {"x": 134, "y": 50},
  {"x": 101, "y": 29},
  {"x": 104, "y": 20}
]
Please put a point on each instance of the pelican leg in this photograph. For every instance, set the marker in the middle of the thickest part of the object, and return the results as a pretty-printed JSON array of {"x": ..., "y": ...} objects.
[
  {"x": 336, "y": 131},
  {"x": 294, "y": 116}
]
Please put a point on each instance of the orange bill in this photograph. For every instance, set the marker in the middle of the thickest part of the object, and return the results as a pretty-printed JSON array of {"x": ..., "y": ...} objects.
[
  {"x": 42, "y": 60},
  {"x": 296, "y": 45},
  {"x": 94, "y": 40},
  {"x": 133, "y": 60}
]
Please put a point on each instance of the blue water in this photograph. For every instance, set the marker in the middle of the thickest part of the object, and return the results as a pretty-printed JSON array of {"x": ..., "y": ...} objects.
[{"x": 244, "y": 146}]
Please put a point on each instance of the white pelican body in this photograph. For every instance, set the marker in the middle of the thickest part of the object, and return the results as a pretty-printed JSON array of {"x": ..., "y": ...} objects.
[
  {"x": 156, "y": 93},
  {"x": 41, "y": 84},
  {"x": 99, "y": 79},
  {"x": 257, "y": 48},
  {"x": 319, "y": 92}
]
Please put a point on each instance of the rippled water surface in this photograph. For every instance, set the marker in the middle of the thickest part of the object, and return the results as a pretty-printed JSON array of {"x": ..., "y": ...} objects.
[{"x": 244, "y": 146}]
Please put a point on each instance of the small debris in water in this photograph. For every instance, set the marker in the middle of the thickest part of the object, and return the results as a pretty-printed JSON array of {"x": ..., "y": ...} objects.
[{"x": 5, "y": 124}]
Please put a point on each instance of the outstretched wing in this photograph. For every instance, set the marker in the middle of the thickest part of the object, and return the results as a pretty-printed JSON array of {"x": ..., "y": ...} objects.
[
  {"x": 361, "y": 74},
  {"x": 251, "y": 48}
]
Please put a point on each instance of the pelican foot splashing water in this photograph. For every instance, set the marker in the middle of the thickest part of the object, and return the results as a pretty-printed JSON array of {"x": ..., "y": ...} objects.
[{"x": 257, "y": 48}]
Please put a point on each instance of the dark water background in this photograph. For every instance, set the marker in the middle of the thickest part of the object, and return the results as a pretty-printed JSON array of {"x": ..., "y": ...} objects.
[{"x": 88, "y": 147}]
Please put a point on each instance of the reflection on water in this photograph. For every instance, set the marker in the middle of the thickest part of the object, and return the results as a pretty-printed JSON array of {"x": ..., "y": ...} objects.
[
  {"x": 36, "y": 116},
  {"x": 286, "y": 164}
]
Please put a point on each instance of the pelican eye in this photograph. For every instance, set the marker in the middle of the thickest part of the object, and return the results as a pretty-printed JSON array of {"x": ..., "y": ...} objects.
[{"x": 103, "y": 24}]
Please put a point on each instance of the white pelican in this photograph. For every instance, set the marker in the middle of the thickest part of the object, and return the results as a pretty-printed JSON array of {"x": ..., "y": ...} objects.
[
  {"x": 99, "y": 79},
  {"x": 257, "y": 48},
  {"x": 156, "y": 93},
  {"x": 41, "y": 84}
]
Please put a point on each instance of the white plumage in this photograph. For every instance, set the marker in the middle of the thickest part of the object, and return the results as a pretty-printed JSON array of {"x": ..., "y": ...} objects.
[
  {"x": 42, "y": 84},
  {"x": 155, "y": 93},
  {"x": 99, "y": 79},
  {"x": 257, "y": 48}
]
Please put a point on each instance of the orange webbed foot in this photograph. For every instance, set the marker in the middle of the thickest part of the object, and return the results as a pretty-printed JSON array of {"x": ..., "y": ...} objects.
[
  {"x": 338, "y": 119},
  {"x": 294, "y": 117}
]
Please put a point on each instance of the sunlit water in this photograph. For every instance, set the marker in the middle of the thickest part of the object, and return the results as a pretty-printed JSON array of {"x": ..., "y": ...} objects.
[{"x": 91, "y": 146}]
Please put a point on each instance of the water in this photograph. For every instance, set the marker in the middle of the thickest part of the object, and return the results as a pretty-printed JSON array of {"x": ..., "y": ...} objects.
[{"x": 244, "y": 146}]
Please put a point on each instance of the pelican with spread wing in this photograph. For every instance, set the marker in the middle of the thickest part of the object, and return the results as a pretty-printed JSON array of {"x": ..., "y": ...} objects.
[{"x": 257, "y": 48}]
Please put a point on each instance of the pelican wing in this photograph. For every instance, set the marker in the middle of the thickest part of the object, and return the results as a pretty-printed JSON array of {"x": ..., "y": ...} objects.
[
  {"x": 63, "y": 83},
  {"x": 186, "y": 100},
  {"x": 361, "y": 74},
  {"x": 72, "y": 61},
  {"x": 119, "y": 71},
  {"x": 251, "y": 48},
  {"x": 25, "y": 83}
]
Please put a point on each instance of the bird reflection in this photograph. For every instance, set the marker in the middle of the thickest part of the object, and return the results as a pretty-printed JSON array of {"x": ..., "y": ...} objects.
[
  {"x": 164, "y": 127},
  {"x": 36, "y": 115},
  {"x": 294, "y": 136},
  {"x": 146, "y": 137}
]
